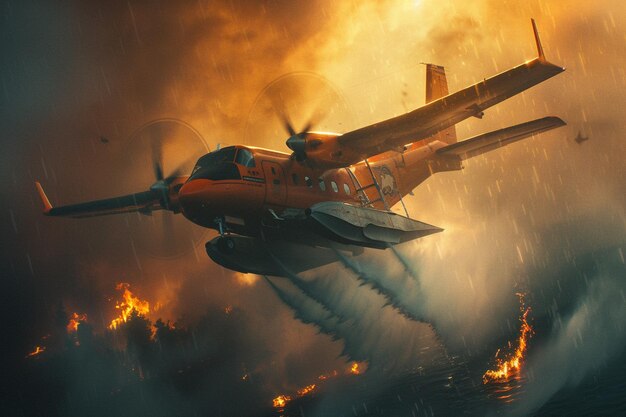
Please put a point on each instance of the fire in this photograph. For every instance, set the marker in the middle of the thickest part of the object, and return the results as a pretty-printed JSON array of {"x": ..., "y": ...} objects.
[
  {"x": 126, "y": 307},
  {"x": 37, "y": 351},
  {"x": 304, "y": 391},
  {"x": 354, "y": 369},
  {"x": 506, "y": 368},
  {"x": 281, "y": 401},
  {"x": 75, "y": 320},
  {"x": 324, "y": 377}
]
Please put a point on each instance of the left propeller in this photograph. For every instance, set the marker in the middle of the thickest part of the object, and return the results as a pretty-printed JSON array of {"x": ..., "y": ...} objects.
[
  {"x": 162, "y": 185},
  {"x": 162, "y": 153}
]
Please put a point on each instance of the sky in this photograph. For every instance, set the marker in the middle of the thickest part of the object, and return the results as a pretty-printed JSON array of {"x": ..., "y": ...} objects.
[{"x": 75, "y": 72}]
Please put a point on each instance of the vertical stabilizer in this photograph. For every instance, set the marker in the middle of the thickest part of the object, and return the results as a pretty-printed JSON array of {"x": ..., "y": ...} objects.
[
  {"x": 436, "y": 83},
  {"x": 437, "y": 87}
]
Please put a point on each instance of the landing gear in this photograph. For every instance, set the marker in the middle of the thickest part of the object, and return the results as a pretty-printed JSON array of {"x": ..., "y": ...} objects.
[{"x": 226, "y": 244}]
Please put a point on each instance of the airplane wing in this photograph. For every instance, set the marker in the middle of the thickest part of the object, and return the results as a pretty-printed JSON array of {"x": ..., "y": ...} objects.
[
  {"x": 449, "y": 110},
  {"x": 143, "y": 202},
  {"x": 486, "y": 142}
]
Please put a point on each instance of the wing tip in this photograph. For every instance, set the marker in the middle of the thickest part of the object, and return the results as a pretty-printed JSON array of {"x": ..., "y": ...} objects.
[
  {"x": 541, "y": 56},
  {"x": 554, "y": 121},
  {"x": 44, "y": 198},
  {"x": 540, "y": 53}
]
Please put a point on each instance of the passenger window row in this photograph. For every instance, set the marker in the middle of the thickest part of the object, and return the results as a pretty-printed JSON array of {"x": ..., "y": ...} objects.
[{"x": 321, "y": 183}]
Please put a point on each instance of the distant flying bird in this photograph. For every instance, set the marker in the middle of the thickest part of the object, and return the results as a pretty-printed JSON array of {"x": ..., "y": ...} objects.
[
  {"x": 580, "y": 138},
  {"x": 103, "y": 139}
]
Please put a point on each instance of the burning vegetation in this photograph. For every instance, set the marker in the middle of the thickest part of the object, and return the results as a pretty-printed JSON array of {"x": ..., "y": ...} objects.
[
  {"x": 356, "y": 368},
  {"x": 506, "y": 368},
  {"x": 74, "y": 320},
  {"x": 281, "y": 401},
  {"x": 129, "y": 304},
  {"x": 304, "y": 391},
  {"x": 37, "y": 351}
]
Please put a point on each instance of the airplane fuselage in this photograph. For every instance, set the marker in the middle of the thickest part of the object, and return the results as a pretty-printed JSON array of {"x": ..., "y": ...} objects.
[{"x": 270, "y": 182}]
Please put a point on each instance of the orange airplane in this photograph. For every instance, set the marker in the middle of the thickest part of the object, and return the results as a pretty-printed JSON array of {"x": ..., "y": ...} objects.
[{"x": 279, "y": 213}]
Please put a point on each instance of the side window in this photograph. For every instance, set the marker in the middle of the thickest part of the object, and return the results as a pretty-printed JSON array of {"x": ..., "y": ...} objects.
[
  {"x": 308, "y": 182},
  {"x": 346, "y": 189},
  {"x": 294, "y": 177},
  {"x": 321, "y": 183},
  {"x": 334, "y": 185}
]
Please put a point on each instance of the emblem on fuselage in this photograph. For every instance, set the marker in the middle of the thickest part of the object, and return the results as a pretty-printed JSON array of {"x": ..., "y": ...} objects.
[{"x": 386, "y": 180}]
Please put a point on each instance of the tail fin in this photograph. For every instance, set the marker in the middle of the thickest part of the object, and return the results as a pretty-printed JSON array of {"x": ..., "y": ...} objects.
[
  {"x": 437, "y": 87},
  {"x": 436, "y": 83}
]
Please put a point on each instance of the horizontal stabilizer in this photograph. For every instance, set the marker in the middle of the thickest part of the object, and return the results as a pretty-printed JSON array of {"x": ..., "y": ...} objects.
[{"x": 486, "y": 142}]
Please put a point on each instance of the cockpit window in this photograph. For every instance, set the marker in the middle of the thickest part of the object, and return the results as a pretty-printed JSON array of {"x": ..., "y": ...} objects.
[
  {"x": 223, "y": 171},
  {"x": 245, "y": 158},
  {"x": 215, "y": 157},
  {"x": 216, "y": 166}
]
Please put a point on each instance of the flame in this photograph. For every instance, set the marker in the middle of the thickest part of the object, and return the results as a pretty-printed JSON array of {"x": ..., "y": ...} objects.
[
  {"x": 304, "y": 391},
  {"x": 126, "y": 307},
  {"x": 75, "y": 320},
  {"x": 281, "y": 401},
  {"x": 324, "y": 377},
  {"x": 512, "y": 366},
  {"x": 354, "y": 369},
  {"x": 37, "y": 351}
]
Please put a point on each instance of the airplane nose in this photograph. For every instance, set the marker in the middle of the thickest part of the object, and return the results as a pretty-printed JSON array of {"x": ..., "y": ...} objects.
[
  {"x": 193, "y": 191},
  {"x": 194, "y": 197}
]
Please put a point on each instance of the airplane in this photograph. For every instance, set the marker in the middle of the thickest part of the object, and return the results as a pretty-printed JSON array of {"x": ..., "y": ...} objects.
[{"x": 280, "y": 213}]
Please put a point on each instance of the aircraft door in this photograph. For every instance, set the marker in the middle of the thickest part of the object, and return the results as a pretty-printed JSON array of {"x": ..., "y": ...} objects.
[{"x": 275, "y": 184}]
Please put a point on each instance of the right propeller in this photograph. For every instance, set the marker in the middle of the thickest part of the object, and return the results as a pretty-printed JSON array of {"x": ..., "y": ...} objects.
[
  {"x": 296, "y": 96},
  {"x": 297, "y": 141}
]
